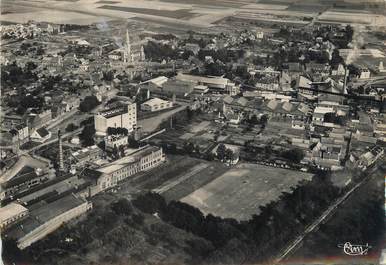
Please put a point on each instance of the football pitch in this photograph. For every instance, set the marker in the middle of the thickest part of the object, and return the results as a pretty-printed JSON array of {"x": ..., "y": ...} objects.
[{"x": 239, "y": 192}]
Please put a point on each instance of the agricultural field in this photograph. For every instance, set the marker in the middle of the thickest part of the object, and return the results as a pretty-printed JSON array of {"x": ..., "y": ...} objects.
[
  {"x": 179, "y": 14},
  {"x": 239, "y": 192},
  {"x": 346, "y": 16}
]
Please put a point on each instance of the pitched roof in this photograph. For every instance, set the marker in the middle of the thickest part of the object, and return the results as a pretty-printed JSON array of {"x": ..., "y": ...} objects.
[
  {"x": 42, "y": 132},
  {"x": 242, "y": 101},
  {"x": 287, "y": 106},
  {"x": 272, "y": 104},
  {"x": 228, "y": 99},
  {"x": 304, "y": 82},
  {"x": 303, "y": 108}
]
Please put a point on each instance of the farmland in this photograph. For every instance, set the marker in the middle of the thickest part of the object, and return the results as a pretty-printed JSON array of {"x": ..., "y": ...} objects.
[{"x": 182, "y": 14}]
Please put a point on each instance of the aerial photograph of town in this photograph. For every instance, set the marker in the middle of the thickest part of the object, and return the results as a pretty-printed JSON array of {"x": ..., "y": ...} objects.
[{"x": 193, "y": 132}]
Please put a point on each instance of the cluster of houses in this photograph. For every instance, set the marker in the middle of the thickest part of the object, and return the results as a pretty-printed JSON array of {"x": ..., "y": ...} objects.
[{"x": 29, "y": 30}]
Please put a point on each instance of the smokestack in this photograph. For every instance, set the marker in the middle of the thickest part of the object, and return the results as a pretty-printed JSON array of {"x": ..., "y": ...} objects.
[
  {"x": 345, "y": 80},
  {"x": 61, "y": 164}
]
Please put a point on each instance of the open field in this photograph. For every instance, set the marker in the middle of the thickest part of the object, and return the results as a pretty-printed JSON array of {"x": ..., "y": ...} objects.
[
  {"x": 185, "y": 183},
  {"x": 240, "y": 192},
  {"x": 182, "y": 13},
  {"x": 352, "y": 17},
  {"x": 179, "y": 13}
]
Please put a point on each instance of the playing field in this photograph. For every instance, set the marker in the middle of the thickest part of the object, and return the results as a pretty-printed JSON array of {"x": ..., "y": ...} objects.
[{"x": 240, "y": 191}]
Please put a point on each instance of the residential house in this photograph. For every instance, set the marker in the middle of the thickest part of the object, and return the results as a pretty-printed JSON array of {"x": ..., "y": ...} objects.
[
  {"x": 40, "y": 135},
  {"x": 369, "y": 158},
  {"x": 20, "y": 134}
]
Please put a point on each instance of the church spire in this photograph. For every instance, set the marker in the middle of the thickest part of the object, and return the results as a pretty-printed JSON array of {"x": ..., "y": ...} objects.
[{"x": 127, "y": 48}]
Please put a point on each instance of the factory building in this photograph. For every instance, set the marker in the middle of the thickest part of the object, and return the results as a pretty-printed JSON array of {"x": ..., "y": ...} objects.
[{"x": 122, "y": 116}]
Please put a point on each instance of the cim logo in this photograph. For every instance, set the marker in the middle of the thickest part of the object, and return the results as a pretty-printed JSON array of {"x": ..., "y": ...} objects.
[{"x": 355, "y": 250}]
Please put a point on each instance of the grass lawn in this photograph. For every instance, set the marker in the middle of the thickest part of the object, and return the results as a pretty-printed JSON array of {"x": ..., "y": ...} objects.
[{"x": 239, "y": 192}]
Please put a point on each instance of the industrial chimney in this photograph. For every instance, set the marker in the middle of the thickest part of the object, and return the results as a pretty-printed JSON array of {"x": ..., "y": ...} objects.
[
  {"x": 61, "y": 164},
  {"x": 345, "y": 80}
]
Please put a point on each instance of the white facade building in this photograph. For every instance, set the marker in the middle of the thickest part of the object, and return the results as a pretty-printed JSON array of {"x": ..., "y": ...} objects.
[
  {"x": 124, "y": 116},
  {"x": 156, "y": 104},
  {"x": 11, "y": 213},
  {"x": 145, "y": 159}
]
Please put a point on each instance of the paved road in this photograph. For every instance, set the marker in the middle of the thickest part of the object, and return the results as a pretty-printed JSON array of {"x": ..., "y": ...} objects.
[
  {"x": 328, "y": 213},
  {"x": 63, "y": 117}
]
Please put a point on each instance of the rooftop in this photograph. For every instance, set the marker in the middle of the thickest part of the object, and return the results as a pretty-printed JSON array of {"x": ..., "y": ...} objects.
[
  {"x": 11, "y": 210},
  {"x": 26, "y": 173},
  {"x": 42, "y": 132},
  {"x": 109, "y": 113},
  {"x": 43, "y": 212},
  {"x": 85, "y": 152},
  {"x": 157, "y": 81},
  {"x": 155, "y": 101},
  {"x": 127, "y": 160},
  {"x": 323, "y": 110},
  {"x": 217, "y": 80}
]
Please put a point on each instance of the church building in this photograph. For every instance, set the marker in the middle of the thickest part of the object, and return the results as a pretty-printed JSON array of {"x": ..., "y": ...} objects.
[{"x": 129, "y": 53}]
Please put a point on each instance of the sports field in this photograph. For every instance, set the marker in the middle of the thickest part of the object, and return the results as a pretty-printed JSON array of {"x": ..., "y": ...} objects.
[{"x": 239, "y": 192}]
